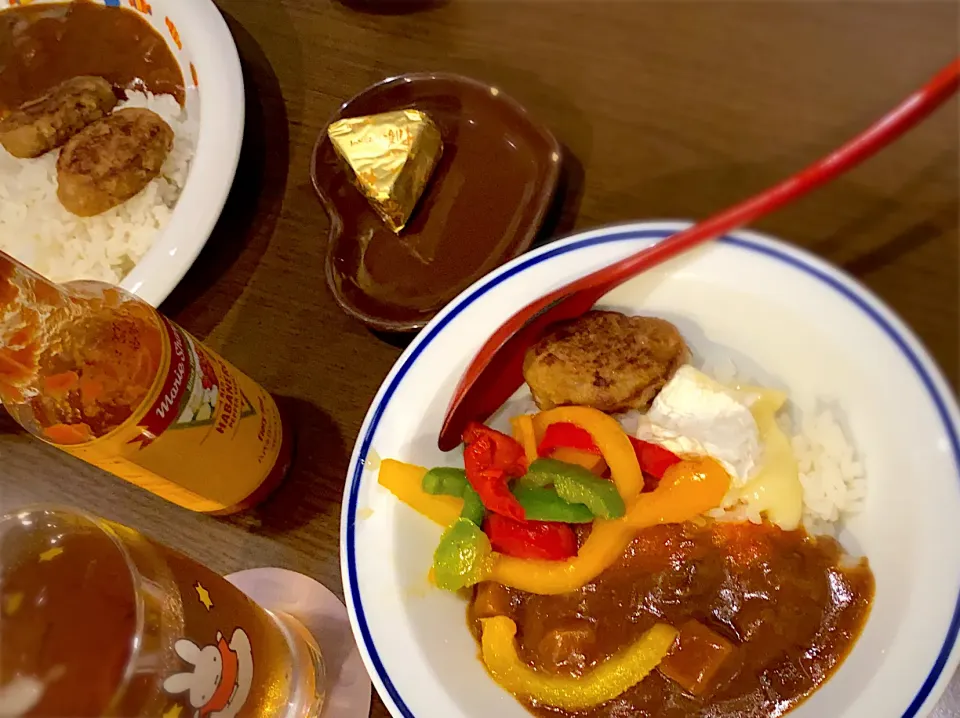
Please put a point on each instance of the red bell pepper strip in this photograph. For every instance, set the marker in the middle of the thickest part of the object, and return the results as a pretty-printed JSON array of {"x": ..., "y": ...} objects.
[
  {"x": 653, "y": 459},
  {"x": 490, "y": 460},
  {"x": 565, "y": 434},
  {"x": 507, "y": 453},
  {"x": 545, "y": 540}
]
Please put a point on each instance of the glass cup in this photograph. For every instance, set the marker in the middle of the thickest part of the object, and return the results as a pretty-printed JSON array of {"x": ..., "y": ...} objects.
[{"x": 98, "y": 620}]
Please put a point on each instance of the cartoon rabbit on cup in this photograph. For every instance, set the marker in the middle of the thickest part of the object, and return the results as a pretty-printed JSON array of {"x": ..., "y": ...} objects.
[{"x": 221, "y": 677}]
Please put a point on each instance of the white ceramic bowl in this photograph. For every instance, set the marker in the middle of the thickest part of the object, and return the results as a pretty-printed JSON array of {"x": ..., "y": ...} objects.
[
  {"x": 785, "y": 318},
  {"x": 198, "y": 36}
]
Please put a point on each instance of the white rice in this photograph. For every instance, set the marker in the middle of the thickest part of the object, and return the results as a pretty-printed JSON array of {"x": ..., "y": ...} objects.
[
  {"x": 833, "y": 480},
  {"x": 37, "y": 230}
]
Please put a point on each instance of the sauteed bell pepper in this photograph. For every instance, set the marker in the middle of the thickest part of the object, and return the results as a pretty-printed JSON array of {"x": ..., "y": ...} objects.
[
  {"x": 593, "y": 463},
  {"x": 577, "y": 485},
  {"x": 539, "y": 504},
  {"x": 654, "y": 459},
  {"x": 462, "y": 557},
  {"x": 473, "y": 508},
  {"x": 610, "y": 439},
  {"x": 687, "y": 489},
  {"x": 566, "y": 434},
  {"x": 449, "y": 481},
  {"x": 604, "y": 683},
  {"x": 444, "y": 481},
  {"x": 547, "y": 540},
  {"x": 405, "y": 481},
  {"x": 507, "y": 454},
  {"x": 525, "y": 435},
  {"x": 491, "y": 458}
]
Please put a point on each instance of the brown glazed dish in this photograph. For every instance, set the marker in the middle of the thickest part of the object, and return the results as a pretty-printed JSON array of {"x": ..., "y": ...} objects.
[{"x": 483, "y": 205}]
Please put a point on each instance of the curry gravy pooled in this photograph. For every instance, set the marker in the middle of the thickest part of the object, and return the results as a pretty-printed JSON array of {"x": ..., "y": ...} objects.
[
  {"x": 765, "y": 617},
  {"x": 45, "y": 44}
]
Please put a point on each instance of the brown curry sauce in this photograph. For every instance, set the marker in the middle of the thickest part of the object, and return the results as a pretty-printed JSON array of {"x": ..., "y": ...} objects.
[
  {"x": 43, "y": 45},
  {"x": 792, "y": 605}
]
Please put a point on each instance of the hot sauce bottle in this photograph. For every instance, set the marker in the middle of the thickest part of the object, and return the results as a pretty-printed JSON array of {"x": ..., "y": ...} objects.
[{"x": 101, "y": 375}]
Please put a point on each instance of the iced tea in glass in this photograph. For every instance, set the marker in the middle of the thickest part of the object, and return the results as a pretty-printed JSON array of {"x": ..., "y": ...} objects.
[{"x": 98, "y": 620}]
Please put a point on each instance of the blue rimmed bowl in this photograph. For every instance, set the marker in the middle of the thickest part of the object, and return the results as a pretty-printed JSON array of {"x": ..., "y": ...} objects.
[{"x": 788, "y": 320}]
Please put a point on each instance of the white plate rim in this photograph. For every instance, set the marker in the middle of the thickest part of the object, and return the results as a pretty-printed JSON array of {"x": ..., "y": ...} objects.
[
  {"x": 876, "y": 310},
  {"x": 205, "y": 34}
]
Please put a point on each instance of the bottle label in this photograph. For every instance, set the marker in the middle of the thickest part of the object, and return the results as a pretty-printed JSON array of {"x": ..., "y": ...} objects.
[{"x": 206, "y": 437}]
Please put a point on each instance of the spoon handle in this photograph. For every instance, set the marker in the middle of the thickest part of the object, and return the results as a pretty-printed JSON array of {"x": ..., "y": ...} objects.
[
  {"x": 887, "y": 129},
  {"x": 496, "y": 370}
]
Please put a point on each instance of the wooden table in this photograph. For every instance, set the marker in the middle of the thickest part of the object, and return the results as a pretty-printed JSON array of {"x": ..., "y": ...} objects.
[{"x": 667, "y": 110}]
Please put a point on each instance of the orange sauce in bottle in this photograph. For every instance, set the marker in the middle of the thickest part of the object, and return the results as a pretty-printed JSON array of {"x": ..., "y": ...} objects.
[{"x": 103, "y": 376}]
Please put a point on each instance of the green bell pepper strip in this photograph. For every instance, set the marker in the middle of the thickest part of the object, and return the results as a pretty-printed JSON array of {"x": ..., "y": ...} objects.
[
  {"x": 449, "y": 481},
  {"x": 578, "y": 486},
  {"x": 546, "y": 505},
  {"x": 473, "y": 508},
  {"x": 445, "y": 480},
  {"x": 463, "y": 556},
  {"x": 540, "y": 504}
]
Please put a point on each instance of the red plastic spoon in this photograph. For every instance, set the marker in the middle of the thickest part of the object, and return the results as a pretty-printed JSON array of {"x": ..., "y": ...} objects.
[{"x": 496, "y": 371}]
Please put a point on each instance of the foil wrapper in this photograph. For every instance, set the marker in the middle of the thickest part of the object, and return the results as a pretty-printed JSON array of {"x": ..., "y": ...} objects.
[{"x": 392, "y": 156}]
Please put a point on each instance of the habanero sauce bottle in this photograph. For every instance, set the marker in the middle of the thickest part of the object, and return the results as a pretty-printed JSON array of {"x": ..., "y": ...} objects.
[{"x": 101, "y": 375}]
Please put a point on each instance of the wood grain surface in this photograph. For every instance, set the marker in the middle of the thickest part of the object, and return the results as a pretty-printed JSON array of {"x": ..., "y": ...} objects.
[{"x": 666, "y": 109}]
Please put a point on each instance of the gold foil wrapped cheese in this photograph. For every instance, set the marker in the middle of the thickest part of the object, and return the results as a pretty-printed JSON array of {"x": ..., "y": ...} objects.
[{"x": 392, "y": 156}]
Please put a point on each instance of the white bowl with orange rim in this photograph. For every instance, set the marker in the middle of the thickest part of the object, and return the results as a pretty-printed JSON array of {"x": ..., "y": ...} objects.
[
  {"x": 201, "y": 42},
  {"x": 154, "y": 242}
]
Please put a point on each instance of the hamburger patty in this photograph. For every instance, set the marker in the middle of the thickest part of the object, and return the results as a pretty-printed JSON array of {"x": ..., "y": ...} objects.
[
  {"x": 46, "y": 123},
  {"x": 606, "y": 360},
  {"x": 111, "y": 160}
]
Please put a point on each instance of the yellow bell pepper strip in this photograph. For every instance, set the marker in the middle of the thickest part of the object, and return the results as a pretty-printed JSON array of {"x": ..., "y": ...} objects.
[
  {"x": 578, "y": 486},
  {"x": 405, "y": 481},
  {"x": 610, "y": 438},
  {"x": 687, "y": 489},
  {"x": 608, "y": 680},
  {"x": 462, "y": 557},
  {"x": 524, "y": 435}
]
